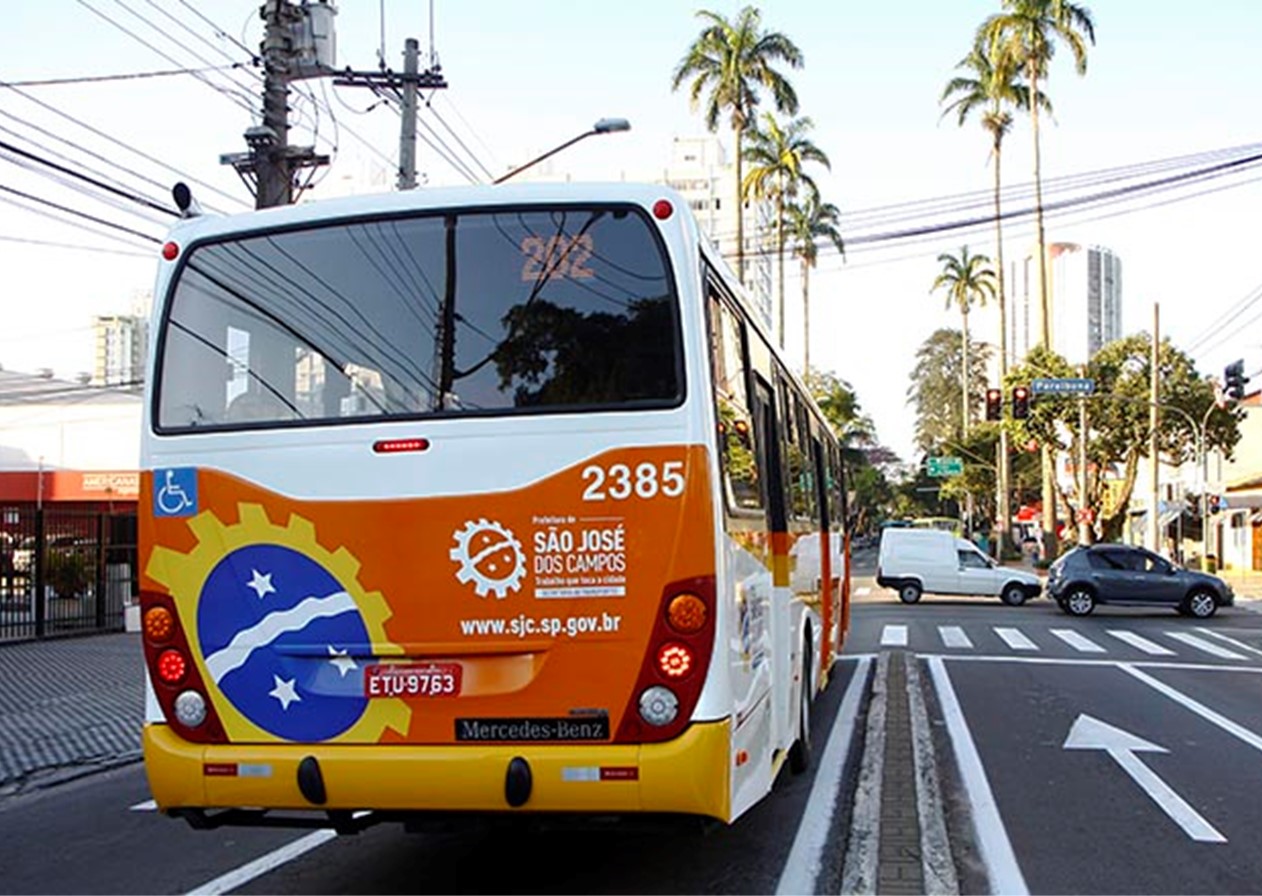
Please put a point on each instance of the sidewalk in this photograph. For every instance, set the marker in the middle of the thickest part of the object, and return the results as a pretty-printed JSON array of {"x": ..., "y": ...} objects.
[{"x": 68, "y": 707}]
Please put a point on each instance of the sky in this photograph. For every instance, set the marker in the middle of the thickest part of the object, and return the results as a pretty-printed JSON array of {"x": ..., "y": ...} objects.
[{"x": 522, "y": 78}]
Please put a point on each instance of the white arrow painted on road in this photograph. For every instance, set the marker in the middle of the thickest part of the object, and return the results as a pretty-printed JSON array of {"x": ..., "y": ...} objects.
[{"x": 1091, "y": 734}]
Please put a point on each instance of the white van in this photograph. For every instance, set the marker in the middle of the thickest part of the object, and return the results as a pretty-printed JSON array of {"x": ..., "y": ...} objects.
[{"x": 915, "y": 561}]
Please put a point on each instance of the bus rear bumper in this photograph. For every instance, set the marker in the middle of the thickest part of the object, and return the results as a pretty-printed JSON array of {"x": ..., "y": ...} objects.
[{"x": 690, "y": 775}]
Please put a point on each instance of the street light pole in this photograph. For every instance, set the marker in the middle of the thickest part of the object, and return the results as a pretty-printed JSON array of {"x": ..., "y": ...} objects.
[{"x": 604, "y": 126}]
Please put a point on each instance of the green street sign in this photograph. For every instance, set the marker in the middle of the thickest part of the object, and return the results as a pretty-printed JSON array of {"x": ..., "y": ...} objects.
[{"x": 945, "y": 466}]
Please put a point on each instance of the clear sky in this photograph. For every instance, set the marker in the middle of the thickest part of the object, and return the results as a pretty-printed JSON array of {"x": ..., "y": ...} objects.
[{"x": 1163, "y": 80}]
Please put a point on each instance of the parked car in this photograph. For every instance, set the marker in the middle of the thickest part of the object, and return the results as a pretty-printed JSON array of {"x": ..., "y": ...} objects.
[
  {"x": 933, "y": 561},
  {"x": 1129, "y": 575}
]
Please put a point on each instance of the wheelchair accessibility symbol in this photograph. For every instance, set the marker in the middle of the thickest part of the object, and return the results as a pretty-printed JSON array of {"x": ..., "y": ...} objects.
[{"x": 175, "y": 491}]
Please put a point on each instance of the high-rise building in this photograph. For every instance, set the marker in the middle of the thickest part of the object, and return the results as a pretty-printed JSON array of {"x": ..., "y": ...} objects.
[
  {"x": 700, "y": 172},
  {"x": 122, "y": 343},
  {"x": 1084, "y": 286}
]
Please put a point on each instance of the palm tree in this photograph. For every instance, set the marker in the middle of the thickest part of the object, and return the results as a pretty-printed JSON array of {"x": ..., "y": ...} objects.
[
  {"x": 733, "y": 60},
  {"x": 809, "y": 221},
  {"x": 776, "y": 154},
  {"x": 992, "y": 86},
  {"x": 1024, "y": 35},
  {"x": 968, "y": 279}
]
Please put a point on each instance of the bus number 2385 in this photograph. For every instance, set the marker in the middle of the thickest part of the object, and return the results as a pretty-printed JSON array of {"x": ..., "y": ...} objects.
[{"x": 618, "y": 482}]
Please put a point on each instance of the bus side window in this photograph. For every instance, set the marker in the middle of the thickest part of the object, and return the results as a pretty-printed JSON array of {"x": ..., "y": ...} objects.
[{"x": 737, "y": 446}]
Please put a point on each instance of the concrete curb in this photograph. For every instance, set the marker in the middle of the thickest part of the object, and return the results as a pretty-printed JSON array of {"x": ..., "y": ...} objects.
[{"x": 859, "y": 872}]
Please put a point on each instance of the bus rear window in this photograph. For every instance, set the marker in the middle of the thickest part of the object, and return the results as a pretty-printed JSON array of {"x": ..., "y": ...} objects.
[{"x": 473, "y": 312}]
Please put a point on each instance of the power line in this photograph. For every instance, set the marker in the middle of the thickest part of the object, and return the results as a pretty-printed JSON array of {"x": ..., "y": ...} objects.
[
  {"x": 131, "y": 197},
  {"x": 132, "y": 76},
  {"x": 79, "y": 214},
  {"x": 74, "y": 246}
]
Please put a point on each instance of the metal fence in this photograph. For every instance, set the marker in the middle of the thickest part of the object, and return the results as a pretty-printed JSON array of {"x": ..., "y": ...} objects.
[{"x": 64, "y": 572}]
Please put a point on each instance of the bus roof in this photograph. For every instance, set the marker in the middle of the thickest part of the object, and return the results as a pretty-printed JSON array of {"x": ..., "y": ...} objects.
[{"x": 208, "y": 225}]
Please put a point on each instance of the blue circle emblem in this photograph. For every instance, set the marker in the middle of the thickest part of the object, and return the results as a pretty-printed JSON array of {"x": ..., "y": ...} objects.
[{"x": 280, "y": 638}]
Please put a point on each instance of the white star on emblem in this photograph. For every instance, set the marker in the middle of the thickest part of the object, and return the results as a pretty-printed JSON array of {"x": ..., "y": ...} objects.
[
  {"x": 262, "y": 584},
  {"x": 284, "y": 692},
  {"x": 341, "y": 659}
]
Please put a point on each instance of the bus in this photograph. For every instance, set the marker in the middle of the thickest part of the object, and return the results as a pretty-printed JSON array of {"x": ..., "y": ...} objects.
[{"x": 476, "y": 500}]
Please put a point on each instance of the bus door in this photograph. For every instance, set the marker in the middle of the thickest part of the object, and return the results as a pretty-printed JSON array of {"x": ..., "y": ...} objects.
[{"x": 778, "y": 617}]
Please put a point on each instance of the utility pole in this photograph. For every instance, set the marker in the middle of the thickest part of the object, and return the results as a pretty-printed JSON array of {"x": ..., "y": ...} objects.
[
  {"x": 1084, "y": 523},
  {"x": 404, "y": 88},
  {"x": 407, "y": 134},
  {"x": 1154, "y": 419},
  {"x": 297, "y": 43}
]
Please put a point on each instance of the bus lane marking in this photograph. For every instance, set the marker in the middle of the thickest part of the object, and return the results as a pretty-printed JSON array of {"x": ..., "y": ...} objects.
[
  {"x": 992, "y": 837},
  {"x": 806, "y": 856},
  {"x": 1089, "y": 733}
]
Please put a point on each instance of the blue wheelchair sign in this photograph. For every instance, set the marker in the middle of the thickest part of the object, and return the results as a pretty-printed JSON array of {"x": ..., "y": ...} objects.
[{"x": 175, "y": 491}]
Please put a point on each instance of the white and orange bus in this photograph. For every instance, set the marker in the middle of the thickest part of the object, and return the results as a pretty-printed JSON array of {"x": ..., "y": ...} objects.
[{"x": 492, "y": 499}]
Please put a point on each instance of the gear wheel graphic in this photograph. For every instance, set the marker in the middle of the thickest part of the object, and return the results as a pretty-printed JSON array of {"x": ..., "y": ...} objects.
[{"x": 490, "y": 556}]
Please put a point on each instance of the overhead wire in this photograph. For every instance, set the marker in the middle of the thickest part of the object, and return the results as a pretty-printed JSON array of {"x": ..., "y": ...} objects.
[{"x": 79, "y": 214}]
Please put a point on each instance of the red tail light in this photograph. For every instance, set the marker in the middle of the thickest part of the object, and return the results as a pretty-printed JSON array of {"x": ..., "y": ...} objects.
[
  {"x": 172, "y": 670},
  {"x": 660, "y": 706}
]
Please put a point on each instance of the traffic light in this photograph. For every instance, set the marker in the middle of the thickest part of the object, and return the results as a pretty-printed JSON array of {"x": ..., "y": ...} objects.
[
  {"x": 1020, "y": 403},
  {"x": 1234, "y": 380},
  {"x": 994, "y": 402}
]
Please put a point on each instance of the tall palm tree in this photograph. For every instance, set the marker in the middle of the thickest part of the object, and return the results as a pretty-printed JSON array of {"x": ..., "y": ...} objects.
[
  {"x": 734, "y": 60},
  {"x": 968, "y": 279},
  {"x": 1025, "y": 35},
  {"x": 990, "y": 87},
  {"x": 776, "y": 154},
  {"x": 810, "y": 221}
]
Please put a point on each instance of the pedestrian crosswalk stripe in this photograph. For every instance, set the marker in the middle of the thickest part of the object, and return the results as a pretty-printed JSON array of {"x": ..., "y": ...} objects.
[
  {"x": 894, "y": 636},
  {"x": 953, "y": 636},
  {"x": 1015, "y": 639},
  {"x": 1202, "y": 644},
  {"x": 1226, "y": 639},
  {"x": 1141, "y": 643},
  {"x": 1078, "y": 642}
]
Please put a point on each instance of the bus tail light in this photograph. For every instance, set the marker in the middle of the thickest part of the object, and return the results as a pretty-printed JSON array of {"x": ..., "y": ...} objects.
[
  {"x": 673, "y": 671},
  {"x": 176, "y": 679},
  {"x": 659, "y": 706}
]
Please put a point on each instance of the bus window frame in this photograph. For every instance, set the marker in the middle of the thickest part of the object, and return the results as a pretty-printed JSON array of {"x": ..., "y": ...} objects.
[{"x": 671, "y": 271}]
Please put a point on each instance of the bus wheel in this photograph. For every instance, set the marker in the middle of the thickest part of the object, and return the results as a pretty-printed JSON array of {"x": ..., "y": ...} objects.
[{"x": 800, "y": 752}]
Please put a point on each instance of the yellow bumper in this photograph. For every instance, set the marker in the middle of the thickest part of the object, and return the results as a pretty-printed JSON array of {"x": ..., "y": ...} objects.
[{"x": 690, "y": 774}]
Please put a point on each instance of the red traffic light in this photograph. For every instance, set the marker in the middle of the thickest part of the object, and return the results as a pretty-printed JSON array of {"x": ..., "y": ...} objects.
[
  {"x": 1020, "y": 403},
  {"x": 994, "y": 404}
]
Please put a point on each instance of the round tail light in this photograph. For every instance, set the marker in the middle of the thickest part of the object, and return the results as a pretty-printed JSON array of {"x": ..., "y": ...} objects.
[
  {"x": 172, "y": 666},
  {"x": 658, "y": 705}
]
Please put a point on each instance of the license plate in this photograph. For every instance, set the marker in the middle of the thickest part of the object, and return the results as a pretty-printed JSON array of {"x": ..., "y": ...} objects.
[{"x": 412, "y": 680}]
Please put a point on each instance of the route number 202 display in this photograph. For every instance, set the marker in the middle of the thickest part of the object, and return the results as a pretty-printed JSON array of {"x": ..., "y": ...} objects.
[{"x": 618, "y": 482}]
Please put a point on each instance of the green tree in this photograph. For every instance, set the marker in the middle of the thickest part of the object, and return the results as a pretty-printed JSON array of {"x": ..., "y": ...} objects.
[
  {"x": 1117, "y": 433},
  {"x": 810, "y": 221},
  {"x": 777, "y": 154},
  {"x": 935, "y": 384},
  {"x": 871, "y": 493},
  {"x": 729, "y": 63},
  {"x": 968, "y": 280}
]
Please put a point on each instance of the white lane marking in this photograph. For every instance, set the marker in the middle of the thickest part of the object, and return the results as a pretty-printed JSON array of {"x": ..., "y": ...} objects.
[
  {"x": 1232, "y": 728},
  {"x": 1078, "y": 642},
  {"x": 1015, "y": 639},
  {"x": 239, "y": 877},
  {"x": 1089, "y": 733},
  {"x": 806, "y": 857},
  {"x": 894, "y": 636},
  {"x": 992, "y": 838},
  {"x": 1202, "y": 644},
  {"x": 860, "y": 865},
  {"x": 954, "y": 636},
  {"x": 1139, "y": 641},
  {"x": 862, "y": 591},
  {"x": 1229, "y": 640},
  {"x": 936, "y": 864},
  {"x": 146, "y": 806}
]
